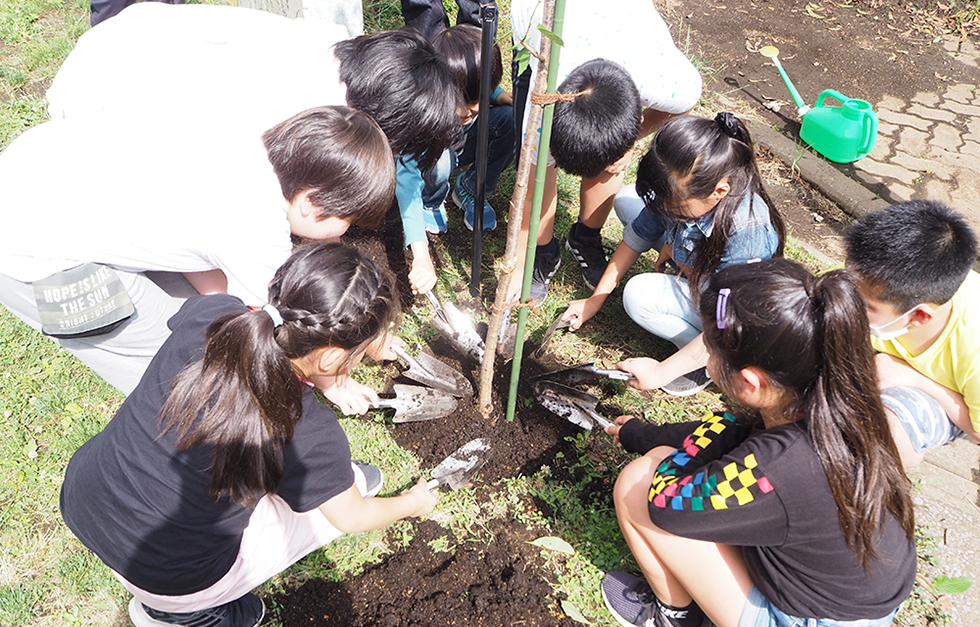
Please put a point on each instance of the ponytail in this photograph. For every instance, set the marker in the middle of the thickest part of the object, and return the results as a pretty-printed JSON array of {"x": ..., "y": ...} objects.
[
  {"x": 703, "y": 151},
  {"x": 810, "y": 336},
  {"x": 244, "y": 398}
]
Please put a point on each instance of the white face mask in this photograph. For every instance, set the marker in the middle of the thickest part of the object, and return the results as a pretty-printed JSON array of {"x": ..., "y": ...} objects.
[{"x": 882, "y": 333}]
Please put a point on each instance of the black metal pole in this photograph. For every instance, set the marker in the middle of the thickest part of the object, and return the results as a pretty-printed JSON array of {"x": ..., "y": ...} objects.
[{"x": 488, "y": 26}]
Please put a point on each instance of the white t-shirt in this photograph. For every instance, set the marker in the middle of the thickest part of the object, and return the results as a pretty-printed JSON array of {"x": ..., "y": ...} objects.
[
  {"x": 142, "y": 197},
  {"x": 628, "y": 32},
  {"x": 194, "y": 62}
]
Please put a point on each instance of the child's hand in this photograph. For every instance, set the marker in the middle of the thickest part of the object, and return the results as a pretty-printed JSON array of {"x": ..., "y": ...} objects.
[
  {"x": 621, "y": 164},
  {"x": 580, "y": 311},
  {"x": 666, "y": 254},
  {"x": 350, "y": 397},
  {"x": 380, "y": 349},
  {"x": 425, "y": 499},
  {"x": 613, "y": 429},
  {"x": 422, "y": 276},
  {"x": 646, "y": 371},
  {"x": 505, "y": 98}
]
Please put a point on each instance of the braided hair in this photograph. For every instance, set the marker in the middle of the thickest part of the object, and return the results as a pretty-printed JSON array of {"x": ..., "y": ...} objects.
[{"x": 244, "y": 397}]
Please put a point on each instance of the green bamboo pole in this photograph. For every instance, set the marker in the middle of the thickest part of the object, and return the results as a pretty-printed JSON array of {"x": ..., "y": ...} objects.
[{"x": 536, "y": 200}]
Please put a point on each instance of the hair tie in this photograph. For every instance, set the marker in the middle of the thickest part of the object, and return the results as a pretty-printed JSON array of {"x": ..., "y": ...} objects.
[
  {"x": 274, "y": 314},
  {"x": 729, "y": 124},
  {"x": 721, "y": 308}
]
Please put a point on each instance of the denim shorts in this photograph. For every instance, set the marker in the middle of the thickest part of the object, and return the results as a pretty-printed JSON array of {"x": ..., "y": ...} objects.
[
  {"x": 924, "y": 419},
  {"x": 760, "y": 612}
]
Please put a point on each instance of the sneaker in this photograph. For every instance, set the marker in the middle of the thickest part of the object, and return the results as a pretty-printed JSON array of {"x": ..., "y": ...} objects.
[
  {"x": 633, "y": 603},
  {"x": 688, "y": 384},
  {"x": 630, "y": 600},
  {"x": 246, "y": 611},
  {"x": 373, "y": 477},
  {"x": 590, "y": 254},
  {"x": 545, "y": 267},
  {"x": 435, "y": 219},
  {"x": 467, "y": 202}
]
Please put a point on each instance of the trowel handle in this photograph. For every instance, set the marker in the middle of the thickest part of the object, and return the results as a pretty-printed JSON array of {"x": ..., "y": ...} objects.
[
  {"x": 435, "y": 303},
  {"x": 433, "y": 484},
  {"x": 398, "y": 350},
  {"x": 618, "y": 375}
]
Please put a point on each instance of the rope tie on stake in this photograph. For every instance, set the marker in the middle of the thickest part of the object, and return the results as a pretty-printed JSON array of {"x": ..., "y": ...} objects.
[{"x": 543, "y": 99}]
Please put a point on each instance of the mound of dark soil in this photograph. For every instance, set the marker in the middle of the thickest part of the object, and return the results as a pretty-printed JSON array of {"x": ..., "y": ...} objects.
[{"x": 487, "y": 585}]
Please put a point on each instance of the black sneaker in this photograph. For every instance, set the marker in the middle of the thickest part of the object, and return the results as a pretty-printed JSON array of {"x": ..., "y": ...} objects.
[
  {"x": 688, "y": 384},
  {"x": 373, "y": 477},
  {"x": 246, "y": 611},
  {"x": 633, "y": 604},
  {"x": 545, "y": 267},
  {"x": 590, "y": 254}
]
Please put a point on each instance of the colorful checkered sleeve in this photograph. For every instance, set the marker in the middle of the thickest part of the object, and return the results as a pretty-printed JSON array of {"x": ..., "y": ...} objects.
[{"x": 675, "y": 486}]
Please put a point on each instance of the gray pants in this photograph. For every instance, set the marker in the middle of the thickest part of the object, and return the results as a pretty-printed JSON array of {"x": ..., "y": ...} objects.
[{"x": 121, "y": 356}]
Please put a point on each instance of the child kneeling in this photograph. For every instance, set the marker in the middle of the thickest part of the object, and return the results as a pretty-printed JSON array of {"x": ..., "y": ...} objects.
[
  {"x": 221, "y": 469},
  {"x": 797, "y": 511}
]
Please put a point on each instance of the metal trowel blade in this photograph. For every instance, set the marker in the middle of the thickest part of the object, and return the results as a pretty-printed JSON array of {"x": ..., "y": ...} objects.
[
  {"x": 457, "y": 469},
  {"x": 414, "y": 404},
  {"x": 553, "y": 397}
]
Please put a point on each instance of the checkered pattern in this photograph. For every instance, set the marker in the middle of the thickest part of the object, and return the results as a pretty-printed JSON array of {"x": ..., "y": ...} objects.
[{"x": 737, "y": 484}]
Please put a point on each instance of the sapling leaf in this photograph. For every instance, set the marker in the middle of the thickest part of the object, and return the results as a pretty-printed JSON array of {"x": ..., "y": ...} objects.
[
  {"x": 523, "y": 57},
  {"x": 952, "y": 585},
  {"x": 573, "y": 612},
  {"x": 554, "y": 37},
  {"x": 553, "y": 543}
]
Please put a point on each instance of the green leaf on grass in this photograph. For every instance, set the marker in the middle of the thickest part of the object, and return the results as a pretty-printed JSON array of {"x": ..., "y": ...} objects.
[
  {"x": 550, "y": 35},
  {"x": 553, "y": 543},
  {"x": 573, "y": 612},
  {"x": 952, "y": 585}
]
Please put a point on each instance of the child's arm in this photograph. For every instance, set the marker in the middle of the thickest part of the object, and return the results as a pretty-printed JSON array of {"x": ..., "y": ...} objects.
[
  {"x": 408, "y": 193},
  {"x": 579, "y": 311},
  {"x": 652, "y": 374},
  {"x": 208, "y": 281},
  {"x": 349, "y": 396},
  {"x": 422, "y": 276},
  {"x": 895, "y": 372},
  {"x": 350, "y": 512}
]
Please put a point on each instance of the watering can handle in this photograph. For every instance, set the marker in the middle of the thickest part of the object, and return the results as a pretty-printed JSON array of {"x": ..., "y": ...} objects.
[
  {"x": 833, "y": 93},
  {"x": 870, "y": 131}
]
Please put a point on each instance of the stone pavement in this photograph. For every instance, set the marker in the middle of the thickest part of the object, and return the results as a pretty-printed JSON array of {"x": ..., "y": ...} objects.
[{"x": 928, "y": 147}]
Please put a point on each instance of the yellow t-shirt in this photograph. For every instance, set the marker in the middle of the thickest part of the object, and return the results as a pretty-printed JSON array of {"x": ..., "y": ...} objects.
[{"x": 953, "y": 360}]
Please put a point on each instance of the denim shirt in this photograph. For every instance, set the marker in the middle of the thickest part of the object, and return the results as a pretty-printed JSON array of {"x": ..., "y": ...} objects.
[{"x": 752, "y": 236}]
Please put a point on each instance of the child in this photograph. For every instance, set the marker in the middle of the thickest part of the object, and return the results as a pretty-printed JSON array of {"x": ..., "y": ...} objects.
[
  {"x": 592, "y": 136},
  {"x": 220, "y": 210},
  {"x": 222, "y": 469},
  {"x": 797, "y": 513},
  {"x": 913, "y": 264},
  {"x": 699, "y": 200},
  {"x": 421, "y": 194}
]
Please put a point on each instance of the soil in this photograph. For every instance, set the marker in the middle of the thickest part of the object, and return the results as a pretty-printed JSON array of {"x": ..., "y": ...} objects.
[{"x": 863, "y": 49}]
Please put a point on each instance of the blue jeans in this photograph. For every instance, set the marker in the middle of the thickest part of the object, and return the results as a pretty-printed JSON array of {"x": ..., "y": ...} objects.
[
  {"x": 501, "y": 153},
  {"x": 760, "y": 612}
]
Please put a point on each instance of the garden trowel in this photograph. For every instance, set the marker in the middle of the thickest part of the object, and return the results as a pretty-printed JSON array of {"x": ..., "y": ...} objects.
[
  {"x": 414, "y": 404},
  {"x": 457, "y": 327},
  {"x": 585, "y": 373},
  {"x": 575, "y": 406},
  {"x": 434, "y": 373},
  {"x": 457, "y": 469}
]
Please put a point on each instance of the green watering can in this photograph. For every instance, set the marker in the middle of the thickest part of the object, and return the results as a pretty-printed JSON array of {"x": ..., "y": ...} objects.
[{"x": 842, "y": 134}]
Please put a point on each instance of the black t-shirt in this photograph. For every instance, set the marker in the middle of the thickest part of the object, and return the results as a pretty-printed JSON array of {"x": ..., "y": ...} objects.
[
  {"x": 766, "y": 491},
  {"x": 141, "y": 504}
]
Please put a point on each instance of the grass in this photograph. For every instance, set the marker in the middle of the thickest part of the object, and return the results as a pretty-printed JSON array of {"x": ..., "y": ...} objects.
[{"x": 50, "y": 403}]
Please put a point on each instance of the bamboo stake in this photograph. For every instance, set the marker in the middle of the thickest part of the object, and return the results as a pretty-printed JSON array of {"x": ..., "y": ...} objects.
[{"x": 552, "y": 18}]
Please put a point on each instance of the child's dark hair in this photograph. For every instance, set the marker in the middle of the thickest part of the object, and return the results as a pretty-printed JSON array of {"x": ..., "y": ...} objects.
[
  {"x": 342, "y": 156},
  {"x": 809, "y": 336},
  {"x": 244, "y": 397},
  {"x": 688, "y": 157},
  {"x": 460, "y": 46},
  {"x": 398, "y": 79},
  {"x": 914, "y": 252},
  {"x": 596, "y": 129}
]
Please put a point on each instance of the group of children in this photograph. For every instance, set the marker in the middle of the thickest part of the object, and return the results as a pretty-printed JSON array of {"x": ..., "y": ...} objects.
[{"x": 221, "y": 468}]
